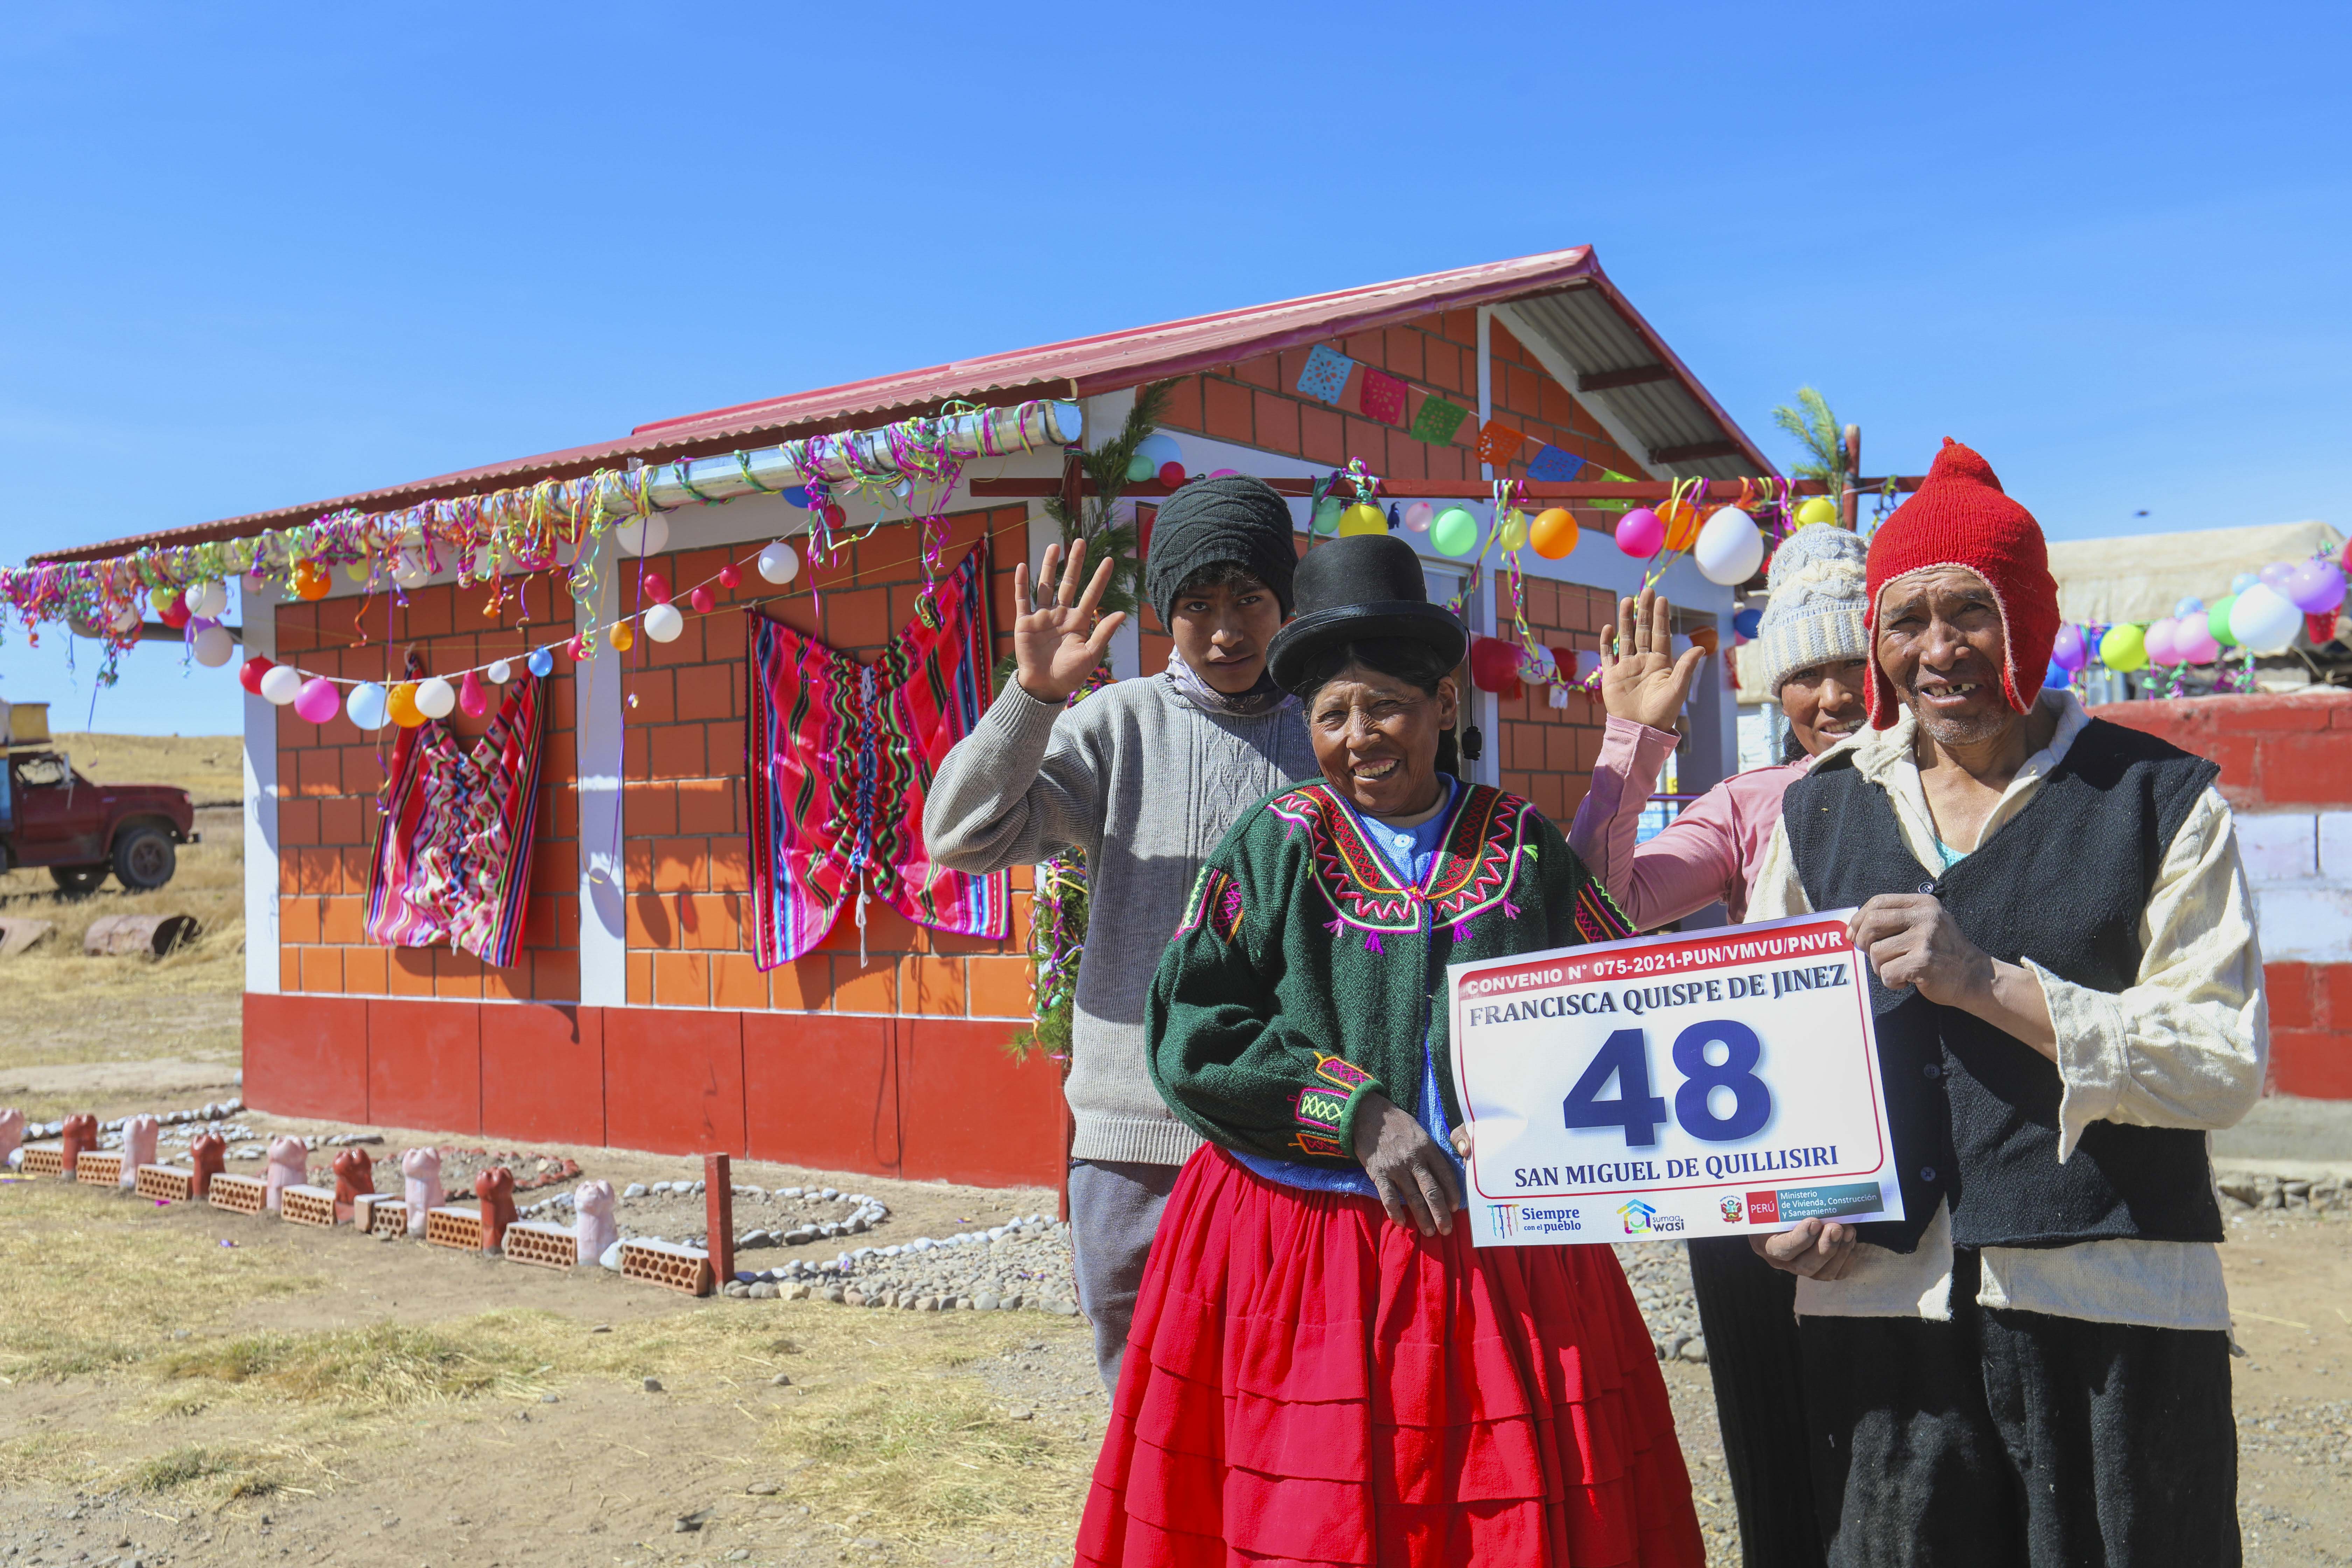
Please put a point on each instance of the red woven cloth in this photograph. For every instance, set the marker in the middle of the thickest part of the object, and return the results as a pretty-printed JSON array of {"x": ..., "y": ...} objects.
[{"x": 1308, "y": 1382}]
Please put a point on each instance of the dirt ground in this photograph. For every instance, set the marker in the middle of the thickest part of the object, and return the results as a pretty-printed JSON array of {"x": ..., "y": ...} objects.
[{"x": 182, "y": 1385}]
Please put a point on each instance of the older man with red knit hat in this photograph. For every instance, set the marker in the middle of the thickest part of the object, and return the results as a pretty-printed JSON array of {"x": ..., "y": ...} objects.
[{"x": 2033, "y": 1367}]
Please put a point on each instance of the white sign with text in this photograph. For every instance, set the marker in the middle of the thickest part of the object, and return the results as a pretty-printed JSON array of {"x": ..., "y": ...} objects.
[{"x": 1668, "y": 1086}]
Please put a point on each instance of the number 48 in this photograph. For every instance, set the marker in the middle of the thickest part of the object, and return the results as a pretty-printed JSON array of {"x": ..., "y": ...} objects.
[{"x": 1625, "y": 1055}]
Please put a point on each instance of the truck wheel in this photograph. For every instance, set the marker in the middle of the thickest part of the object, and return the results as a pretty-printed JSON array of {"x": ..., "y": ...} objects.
[
  {"x": 76, "y": 878},
  {"x": 145, "y": 859}
]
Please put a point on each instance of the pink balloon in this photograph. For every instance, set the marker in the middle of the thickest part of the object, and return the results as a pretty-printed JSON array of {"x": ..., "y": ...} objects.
[
  {"x": 2158, "y": 641},
  {"x": 2316, "y": 586},
  {"x": 2193, "y": 643},
  {"x": 317, "y": 701},
  {"x": 1639, "y": 532},
  {"x": 471, "y": 699},
  {"x": 2276, "y": 574}
]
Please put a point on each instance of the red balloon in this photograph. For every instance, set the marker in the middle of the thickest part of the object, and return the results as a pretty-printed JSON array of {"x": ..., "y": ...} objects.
[
  {"x": 702, "y": 601},
  {"x": 1171, "y": 473},
  {"x": 1494, "y": 665},
  {"x": 833, "y": 516},
  {"x": 728, "y": 576},
  {"x": 656, "y": 587},
  {"x": 249, "y": 674},
  {"x": 175, "y": 614}
]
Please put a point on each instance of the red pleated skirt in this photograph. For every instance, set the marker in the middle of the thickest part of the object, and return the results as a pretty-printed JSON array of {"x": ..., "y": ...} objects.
[{"x": 1308, "y": 1382}]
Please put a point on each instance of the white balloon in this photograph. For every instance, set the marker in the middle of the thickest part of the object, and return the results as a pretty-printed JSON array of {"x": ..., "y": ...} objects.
[
  {"x": 649, "y": 537},
  {"x": 499, "y": 672},
  {"x": 2264, "y": 619},
  {"x": 663, "y": 623},
  {"x": 409, "y": 571},
  {"x": 779, "y": 563},
  {"x": 281, "y": 684},
  {"x": 206, "y": 599},
  {"x": 1729, "y": 547},
  {"x": 366, "y": 705},
  {"x": 126, "y": 620},
  {"x": 435, "y": 699},
  {"x": 213, "y": 647}
]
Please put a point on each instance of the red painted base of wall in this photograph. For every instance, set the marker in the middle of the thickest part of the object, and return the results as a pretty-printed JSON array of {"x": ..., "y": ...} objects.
[
  {"x": 2311, "y": 1029},
  {"x": 922, "y": 1098}
]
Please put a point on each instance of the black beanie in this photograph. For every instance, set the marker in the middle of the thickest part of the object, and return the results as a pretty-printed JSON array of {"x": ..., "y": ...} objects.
[{"x": 1211, "y": 521}]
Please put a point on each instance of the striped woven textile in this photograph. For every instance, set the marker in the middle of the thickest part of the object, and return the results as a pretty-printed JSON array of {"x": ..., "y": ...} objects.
[
  {"x": 841, "y": 755},
  {"x": 452, "y": 848}
]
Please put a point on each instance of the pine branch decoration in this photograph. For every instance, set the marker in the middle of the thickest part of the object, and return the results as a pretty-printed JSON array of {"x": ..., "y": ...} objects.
[{"x": 1096, "y": 522}]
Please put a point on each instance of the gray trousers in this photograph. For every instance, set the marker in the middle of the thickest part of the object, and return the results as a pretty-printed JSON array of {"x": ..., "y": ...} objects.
[{"x": 1114, "y": 1209}]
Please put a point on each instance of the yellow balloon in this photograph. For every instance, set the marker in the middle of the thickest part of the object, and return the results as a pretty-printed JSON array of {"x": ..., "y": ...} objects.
[
  {"x": 1513, "y": 533},
  {"x": 401, "y": 703},
  {"x": 1554, "y": 533},
  {"x": 623, "y": 636},
  {"x": 1362, "y": 518},
  {"x": 357, "y": 571},
  {"x": 1816, "y": 509},
  {"x": 161, "y": 598}
]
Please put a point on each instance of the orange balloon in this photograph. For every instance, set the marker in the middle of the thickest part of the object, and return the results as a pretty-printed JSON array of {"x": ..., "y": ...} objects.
[
  {"x": 1681, "y": 520},
  {"x": 401, "y": 703},
  {"x": 1553, "y": 532},
  {"x": 623, "y": 637},
  {"x": 311, "y": 580}
]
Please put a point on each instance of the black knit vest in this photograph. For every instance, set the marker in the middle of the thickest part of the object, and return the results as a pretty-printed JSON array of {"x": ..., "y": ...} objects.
[{"x": 1975, "y": 1110}]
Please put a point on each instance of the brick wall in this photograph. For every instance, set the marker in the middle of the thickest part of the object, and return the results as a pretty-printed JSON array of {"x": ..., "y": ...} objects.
[
  {"x": 684, "y": 814},
  {"x": 331, "y": 776}
]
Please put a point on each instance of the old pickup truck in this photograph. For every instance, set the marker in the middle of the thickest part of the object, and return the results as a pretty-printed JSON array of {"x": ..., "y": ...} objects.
[{"x": 51, "y": 816}]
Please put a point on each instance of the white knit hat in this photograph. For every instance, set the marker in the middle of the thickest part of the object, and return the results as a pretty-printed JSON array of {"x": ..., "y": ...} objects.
[{"x": 1819, "y": 590}]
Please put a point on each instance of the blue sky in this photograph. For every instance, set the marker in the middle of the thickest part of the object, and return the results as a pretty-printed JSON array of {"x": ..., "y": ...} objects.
[{"x": 258, "y": 255}]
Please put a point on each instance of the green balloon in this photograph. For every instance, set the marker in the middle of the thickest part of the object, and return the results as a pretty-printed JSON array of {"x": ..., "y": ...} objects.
[
  {"x": 2217, "y": 621},
  {"x": 1327, "y": 515},
  {"x": 1140, "y": 469},
  {"x": 1455, "y": 532}
]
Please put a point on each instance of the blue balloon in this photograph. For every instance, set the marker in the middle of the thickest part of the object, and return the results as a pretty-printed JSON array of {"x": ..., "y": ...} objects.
[
  {"x": 1747, "y": 622},
  {"x": 2244, "y": 581},
  {"x": 540, "y": 663},
  {"x": 2056, "y": 675},
  {"x": 797, "y": 495},
  {"x": 2191, "y": 605}
]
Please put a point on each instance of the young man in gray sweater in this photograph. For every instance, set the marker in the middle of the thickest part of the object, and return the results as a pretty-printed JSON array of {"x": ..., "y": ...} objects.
[{"x": 1144, "y": 776}]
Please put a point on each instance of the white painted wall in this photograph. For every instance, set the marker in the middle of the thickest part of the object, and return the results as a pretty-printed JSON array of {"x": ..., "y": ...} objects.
[
  {"x": 258, "y": 613},
  {"x": 2299, "y": 867}
]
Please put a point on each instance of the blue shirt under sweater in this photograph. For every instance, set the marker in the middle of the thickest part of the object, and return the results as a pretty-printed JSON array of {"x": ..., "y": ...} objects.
[{"x": 1412, "y": 851}]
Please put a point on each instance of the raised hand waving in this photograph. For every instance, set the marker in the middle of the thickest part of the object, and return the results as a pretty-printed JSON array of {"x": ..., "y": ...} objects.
[
  {"x": 1640, "y": 678},
  {"x": 1056, "y": 645}
]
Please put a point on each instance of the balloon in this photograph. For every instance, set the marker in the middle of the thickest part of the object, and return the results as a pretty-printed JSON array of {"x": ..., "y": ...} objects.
[
  {"x": 1553, "y": 533},
  {"x": 2191, "y": 605},
  {"x": 1816, "y": 509},
  {"x": 797, "y": 495},
  {"x": 779, "y": 564},
  {"x": 365, "y": 706},
  {"x": 701, "y": 601},
  {"x": 206, "y": 599},
  {"x": 126, "y": 620},
  {"x": 2265, "y": 620},
  {"x": 835, "y": 514},
  {"x": 400, "y": 703},
  {"x": 163, "y": 598},
  {"x": 2244, "y": 581},
  {"x": 473, "y": 699},
  {"x": 2057, "y": 675},
  {"x": 655, "y": 586},
  {"x": 357, "y": 571},
  {"x": 1493, "y": 664},
  {"x": 540, "y": 663},
  {"x": 310, "y": 581},
  {"x": 1730, "y": 548},
  {"x": 1511, "y": 533},
  {"x": 1139, "y": 468},
  {"x": 213, "y": 647},
  {"x": 1362, "y": 518},
  {"x": 318, "y": 701},
  {"x": 1747, "y": 623},
  {"x": 1681, "y": 520},
  {"x": 2068, "y": 649},
  {"x": 2125, "y": 648},
  {"x": 623, "y": 636},
  {"x": 1171, "y": 474},
  {"x": 499, "y": 672},
  {"x": 2192, "y": 643},
  {"x": 642, "y": 536},
  {"x": 409, "y": 570},
  {"x": 1163, "y": 449},
  {"x": 1418, "y": 515},
  {"x": 1455, "y": 532},
  {"x": 2217, "y": 621},
  {"x": 1327, "y": 516},
  {"x": 1639, "y": 532},
  {"x": 2316, "y": 587},
  {"x": 2275, "y": 574},
  {"x": 281, "y": 683},
  {"x": 663, "y": 623},
  {"x": 2158, "y": 642},
  {"x": 575, "y": 650},
  {"x": 729, "y": 575},
  {"x": 435, "y": 698},
  {"x": 175, "y": 614},
  {"x": 250, "y": 673}
]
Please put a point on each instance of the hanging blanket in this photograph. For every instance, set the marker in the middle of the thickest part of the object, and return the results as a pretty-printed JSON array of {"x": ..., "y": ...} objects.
[
  {"x": 842, "y": 754},
  {"x": 452, "y": 858}
]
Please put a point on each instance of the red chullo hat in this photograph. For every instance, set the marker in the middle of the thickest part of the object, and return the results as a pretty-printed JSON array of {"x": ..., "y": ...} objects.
[{"x": 1961, "y": 517}]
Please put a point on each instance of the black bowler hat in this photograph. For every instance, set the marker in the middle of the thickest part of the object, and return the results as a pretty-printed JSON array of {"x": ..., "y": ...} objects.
[{"x": 1356, "y": 589}]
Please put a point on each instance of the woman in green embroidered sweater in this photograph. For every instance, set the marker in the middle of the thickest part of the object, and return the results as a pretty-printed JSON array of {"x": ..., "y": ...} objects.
[{"x": 1312, "y": 1319}]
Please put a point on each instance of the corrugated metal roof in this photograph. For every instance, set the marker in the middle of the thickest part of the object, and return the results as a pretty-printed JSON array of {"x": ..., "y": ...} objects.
[{"x": 1572, "y": 313}]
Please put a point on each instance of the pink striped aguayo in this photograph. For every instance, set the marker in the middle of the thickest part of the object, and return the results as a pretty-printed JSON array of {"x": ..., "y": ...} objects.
[
  {"x": 452, "y": 860},
  {"x": 841, "y": 756}
]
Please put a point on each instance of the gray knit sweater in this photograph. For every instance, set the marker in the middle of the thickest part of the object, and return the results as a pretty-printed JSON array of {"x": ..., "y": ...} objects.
[{"x": 1146, "y": 784}]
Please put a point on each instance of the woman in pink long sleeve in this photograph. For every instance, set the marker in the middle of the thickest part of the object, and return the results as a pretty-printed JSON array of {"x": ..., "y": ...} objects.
[{"x": 1816, "y": 663}]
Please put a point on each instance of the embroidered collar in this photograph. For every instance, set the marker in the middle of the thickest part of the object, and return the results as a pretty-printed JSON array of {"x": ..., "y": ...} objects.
[{"x": 1477, "y": 860}]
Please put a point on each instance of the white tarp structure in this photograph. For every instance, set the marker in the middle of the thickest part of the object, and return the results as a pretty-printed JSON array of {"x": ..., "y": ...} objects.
[{"x": 2141, "y": 576}]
